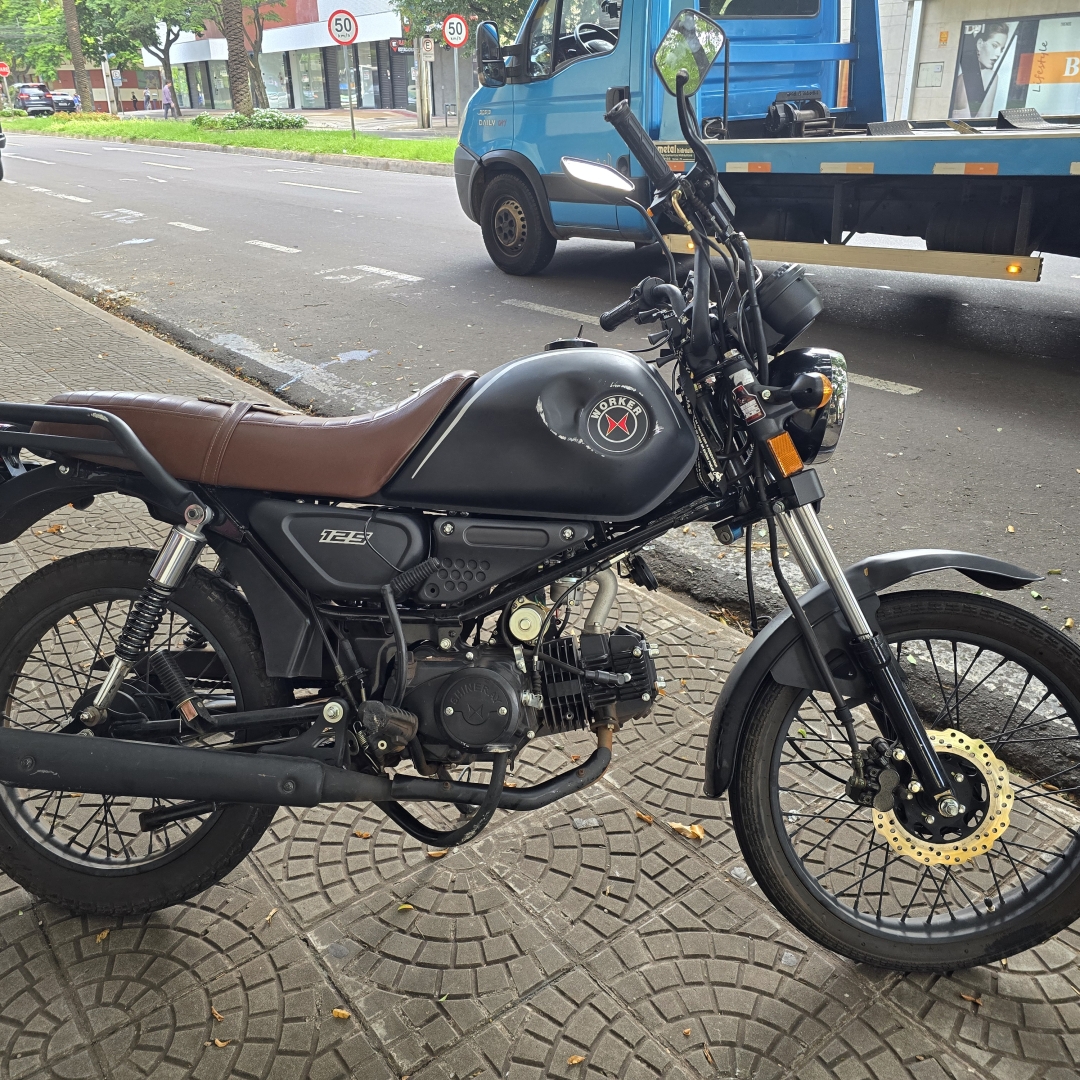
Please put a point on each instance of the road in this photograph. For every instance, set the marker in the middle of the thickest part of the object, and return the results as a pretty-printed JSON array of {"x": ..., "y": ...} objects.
[{"x": 347, "y": 288}]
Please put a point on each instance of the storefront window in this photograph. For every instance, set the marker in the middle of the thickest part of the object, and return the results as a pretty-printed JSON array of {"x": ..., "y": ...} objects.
[
  {"x": 219, "y": 80},
  {"x": 272, "y": 66},
  {"x": 180, "y": 86},
  {"x": 308, "y": 73},
  {"x": 198, "y": 87}
]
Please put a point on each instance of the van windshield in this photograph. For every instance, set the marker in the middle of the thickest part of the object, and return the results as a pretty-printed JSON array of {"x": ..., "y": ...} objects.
[{"x": 760, "y": 9}]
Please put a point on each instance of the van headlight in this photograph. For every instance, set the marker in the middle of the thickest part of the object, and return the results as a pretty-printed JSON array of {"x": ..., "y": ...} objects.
[{"x": 815, "y": 432}]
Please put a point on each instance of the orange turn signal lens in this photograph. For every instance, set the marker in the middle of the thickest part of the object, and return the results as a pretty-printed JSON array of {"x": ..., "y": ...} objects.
[
  {"x": 1013, "y": 269},
  {"x": 784, "y": 453},
  {"x": 826, "y": 391}
]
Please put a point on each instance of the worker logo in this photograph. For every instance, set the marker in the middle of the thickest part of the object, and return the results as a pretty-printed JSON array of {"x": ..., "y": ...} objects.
[{"x": 617, "y": 424}]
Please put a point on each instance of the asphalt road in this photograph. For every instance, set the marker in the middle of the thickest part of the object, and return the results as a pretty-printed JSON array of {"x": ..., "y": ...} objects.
[{"x": 347, "y": 288}]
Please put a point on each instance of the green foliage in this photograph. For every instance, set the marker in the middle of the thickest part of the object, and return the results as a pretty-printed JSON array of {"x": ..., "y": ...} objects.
[
  {"x": 312, "y": 142},
  {"x": 507, "y": 14},
  {"x": 266, "y": 119},
  {"x": 125, "y": 27},
  {"x": 32, "y": 36},
  {"x": 13, "y": 112}
]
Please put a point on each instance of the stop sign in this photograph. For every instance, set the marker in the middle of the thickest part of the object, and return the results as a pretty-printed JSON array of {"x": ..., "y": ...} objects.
[{"x": 5, "y": 71}]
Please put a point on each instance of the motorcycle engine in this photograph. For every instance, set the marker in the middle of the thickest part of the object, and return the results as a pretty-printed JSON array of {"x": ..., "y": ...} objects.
[{"x": 479, "y": 700}]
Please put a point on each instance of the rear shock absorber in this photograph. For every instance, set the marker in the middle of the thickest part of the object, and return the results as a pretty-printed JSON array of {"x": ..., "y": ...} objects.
[{"x": 178, "y": 554}]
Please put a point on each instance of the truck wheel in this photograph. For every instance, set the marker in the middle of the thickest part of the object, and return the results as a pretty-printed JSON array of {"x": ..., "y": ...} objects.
[{"x": 514, "y": 231}]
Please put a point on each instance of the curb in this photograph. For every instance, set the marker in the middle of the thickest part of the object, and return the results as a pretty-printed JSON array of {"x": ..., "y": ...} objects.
[{"x": 355, "y": 161}]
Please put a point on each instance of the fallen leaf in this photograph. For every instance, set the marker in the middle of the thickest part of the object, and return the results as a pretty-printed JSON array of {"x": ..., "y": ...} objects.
[
  {"x": 708, "y": 1056},
  {"x": 972, "y": 998},
  {"x": 1053, "y": 571},
  {"x": 647, "y": 818},
  {"x": 1036, "y": 595},
  {"x": 1069, "y": 624},
  {"x": 215, "y": 1014},
  {"x": 661, "y": 692},
  {"x": 438, "y": 854},
  {"x": 363, "y": 835},
  {"x": 509, "y": 783},
  {"x": 686, "y": 1031},
  {"x": 341, "y": 1014},
  {"x": 1009, "y": 529},
  {"x": 405, "y": 907},
  {"x": 575, "y": 1059},
  {"x": 575, "y": 757},
  {"x": 273, "y": 912},
  {"x": 102, "y": 936},
  {"x": 691, "y": 832},
  {"x": 444, "y": 997},
  {"x": 222, "y": 1042}
]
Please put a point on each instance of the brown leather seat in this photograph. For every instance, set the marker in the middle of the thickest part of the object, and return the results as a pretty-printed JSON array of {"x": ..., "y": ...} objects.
[{"x": 246, "y": 445}]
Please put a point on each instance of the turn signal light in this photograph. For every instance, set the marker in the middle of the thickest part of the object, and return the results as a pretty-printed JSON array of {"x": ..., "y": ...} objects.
[
  {"x": 784, "y": 454},
  {"x": 1013, "y": 268},
  {"x": 826, "y": 391}
]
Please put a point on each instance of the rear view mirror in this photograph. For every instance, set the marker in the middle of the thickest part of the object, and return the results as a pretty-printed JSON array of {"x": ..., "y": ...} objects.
[
  {"x": 489, "y": 54},
  {"x": 602, "y": 180},
  {"x": 692, "y": 44}
]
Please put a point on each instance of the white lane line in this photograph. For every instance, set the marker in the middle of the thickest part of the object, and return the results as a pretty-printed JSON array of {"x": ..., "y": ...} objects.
[
  {"x": 185, "y": 225},
  {"x": 321, "y": 187},
  {"x": 573, "y": 316},
  {"x": 387, "y": 273},
  {"x": 56, "y": 194},
  {"x": 273, "y": 247},
  {"x": 146, "y": 240},
  {"x": 166, "y": 165},
  {"x": 129, "y": 150},
  {"x": 157, "y": 179},
  {"x": 40, "y": 161},
  {"x": 883, "y": 384},
  {"x": 80, "y": 153}
]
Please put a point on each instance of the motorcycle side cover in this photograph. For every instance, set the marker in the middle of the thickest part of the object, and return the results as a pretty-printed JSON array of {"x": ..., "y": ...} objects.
[{"x": 579, "y": 433}]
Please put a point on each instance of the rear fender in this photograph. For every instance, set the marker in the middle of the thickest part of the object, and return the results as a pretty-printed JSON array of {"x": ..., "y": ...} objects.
[
  {"x": 27, "y": 498},
  {"x": 780, "y": 653}
]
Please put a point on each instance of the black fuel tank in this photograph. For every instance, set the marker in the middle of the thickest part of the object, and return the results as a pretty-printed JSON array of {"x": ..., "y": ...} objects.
[{"x": 579, "y": 433}]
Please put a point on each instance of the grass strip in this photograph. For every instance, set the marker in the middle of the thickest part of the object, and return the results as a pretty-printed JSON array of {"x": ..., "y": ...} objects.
[{"x": 310, "y": 142}]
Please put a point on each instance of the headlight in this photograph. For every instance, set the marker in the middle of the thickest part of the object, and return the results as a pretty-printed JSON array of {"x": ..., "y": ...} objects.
[{"x": 815, "y": 432}]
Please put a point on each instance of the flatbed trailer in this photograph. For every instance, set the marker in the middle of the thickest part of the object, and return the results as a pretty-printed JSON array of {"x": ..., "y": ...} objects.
[{"x": 797, "y": 110}]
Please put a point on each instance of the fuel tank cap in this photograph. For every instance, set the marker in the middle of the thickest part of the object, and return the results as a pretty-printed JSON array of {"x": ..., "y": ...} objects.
[{"x": 570, "y": 343}]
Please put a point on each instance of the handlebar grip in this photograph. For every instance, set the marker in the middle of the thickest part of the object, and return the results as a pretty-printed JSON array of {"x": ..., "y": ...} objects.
[
  {"x": 623, "y": 120},
  {"x": 618, "y": 315}
]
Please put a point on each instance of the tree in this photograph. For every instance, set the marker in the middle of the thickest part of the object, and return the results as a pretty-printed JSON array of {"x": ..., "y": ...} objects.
[
  {"x": 232, "y": 26},
  {"x": 170, "y": 19},
  {"x": 32, "y": 36},
  {"x": 507, "y": 14},
  {"x": 78, "y": 61},
  {"x": 260, "y": 12}
]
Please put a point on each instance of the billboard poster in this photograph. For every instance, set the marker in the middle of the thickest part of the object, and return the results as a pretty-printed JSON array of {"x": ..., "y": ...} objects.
[{"x": 1032, "y": 62}]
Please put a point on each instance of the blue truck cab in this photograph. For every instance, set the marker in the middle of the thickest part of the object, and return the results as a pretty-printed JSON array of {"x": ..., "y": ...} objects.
[{"x": 795, "y": 116}]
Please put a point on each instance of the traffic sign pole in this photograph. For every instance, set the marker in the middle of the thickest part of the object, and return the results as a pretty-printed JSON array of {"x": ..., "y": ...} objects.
[
  {"x": 349, "y": 80},
  {"x": 455, "y": 33},
  {"x": 344, "y": 29}
]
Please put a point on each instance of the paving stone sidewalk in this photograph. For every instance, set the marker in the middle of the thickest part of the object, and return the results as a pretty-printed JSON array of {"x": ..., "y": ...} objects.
[{"x": 580, "y": 931}]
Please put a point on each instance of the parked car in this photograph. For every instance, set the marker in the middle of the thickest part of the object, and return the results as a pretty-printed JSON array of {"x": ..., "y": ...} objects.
[
  {"x": 63, "y": 100},
  {"x": 35, "y": 98}
]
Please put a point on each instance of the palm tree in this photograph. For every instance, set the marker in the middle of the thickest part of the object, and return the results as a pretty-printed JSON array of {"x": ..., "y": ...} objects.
[
  {"x": 78, "y": 61},
  {"x": 232, "y": 26}
]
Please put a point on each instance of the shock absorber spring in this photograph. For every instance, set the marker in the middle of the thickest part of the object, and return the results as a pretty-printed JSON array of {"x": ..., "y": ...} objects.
[{"x": 142, "y": 622}]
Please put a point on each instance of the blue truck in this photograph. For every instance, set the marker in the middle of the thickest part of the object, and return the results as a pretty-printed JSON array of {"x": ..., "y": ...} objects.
[{"x": 795, "y": 118}]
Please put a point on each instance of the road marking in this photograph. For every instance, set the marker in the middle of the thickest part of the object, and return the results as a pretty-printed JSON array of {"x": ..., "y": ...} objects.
[
  {"x": 573, "y": 316},
  {"x": 81, "y": 153},
  {"x": 166, "y": 165},
  {"x": 56, "y": 194},
  {"x": 127, "y": 217},
  {"x": 147, "y": 240},
  {"x": 129, "y": 150},
  {"x": 157, "y": 179},
  {"x": 185, "y": 225},
  {"x": 40, "y": 161},
  {"x": 883, "y": 384},
  {"x": 273, "y": 247},
  {"x": 387, "y": 273},
  {"x": 321, "y": 187}
]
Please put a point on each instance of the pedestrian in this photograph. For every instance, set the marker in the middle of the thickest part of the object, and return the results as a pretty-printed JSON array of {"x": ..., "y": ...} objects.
[
  {"x": 167, "y": 101},
  {"x": 146, "y": 99},
  {"x": 202, "y": 100},
  {"x": 78, "y": 101},
  {"x": 134, "y": 102}
]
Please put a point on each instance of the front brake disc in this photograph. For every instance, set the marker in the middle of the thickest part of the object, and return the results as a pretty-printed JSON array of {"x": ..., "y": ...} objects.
[{"x": 995, "y": 819}]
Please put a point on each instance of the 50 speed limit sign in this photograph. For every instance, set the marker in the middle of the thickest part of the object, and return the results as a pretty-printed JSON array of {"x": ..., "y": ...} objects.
[
  {"x": 455, "y": 31},
  {"x": 343, "y": 27}
]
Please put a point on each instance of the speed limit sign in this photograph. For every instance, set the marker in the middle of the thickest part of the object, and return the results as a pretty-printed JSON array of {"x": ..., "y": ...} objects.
[
  {"x": 343, "y": 27},
  {"x": 455, "y": 31}
]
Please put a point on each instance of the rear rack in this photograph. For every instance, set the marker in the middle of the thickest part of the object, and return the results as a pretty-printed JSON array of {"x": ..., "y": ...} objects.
[{"x": 16, "y": 420}]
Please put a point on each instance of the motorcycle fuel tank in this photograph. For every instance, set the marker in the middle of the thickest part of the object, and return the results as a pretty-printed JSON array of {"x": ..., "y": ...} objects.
[{"x": 580, "y": 433}]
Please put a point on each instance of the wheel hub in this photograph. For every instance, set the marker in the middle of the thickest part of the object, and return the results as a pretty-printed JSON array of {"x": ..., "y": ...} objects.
[
  {"x": 510, "y": 226},
  {"x": 981, "y": 786}
]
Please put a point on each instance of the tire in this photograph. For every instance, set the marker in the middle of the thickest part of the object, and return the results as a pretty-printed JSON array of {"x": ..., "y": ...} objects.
[
  {"x": 821, "y": 859},
  {"x": 55, "y": 633},
  {"x": 515, "y": 235}
]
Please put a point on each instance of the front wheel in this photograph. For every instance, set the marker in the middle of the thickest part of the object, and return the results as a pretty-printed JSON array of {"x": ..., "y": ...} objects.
[
  {"x": 999, "y": 691},
  {"x": 515, "y": 235}
]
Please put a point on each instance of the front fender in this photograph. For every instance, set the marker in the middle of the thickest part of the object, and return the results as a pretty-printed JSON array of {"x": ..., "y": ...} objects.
[{"x": 780, "y": 653}]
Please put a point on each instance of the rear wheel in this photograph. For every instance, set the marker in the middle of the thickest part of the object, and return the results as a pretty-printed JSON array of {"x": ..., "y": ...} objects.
[
  {"x": 515, "y": 235},
  {"x": 906, "y": 888},
  {"x": 58, "y": 629}
]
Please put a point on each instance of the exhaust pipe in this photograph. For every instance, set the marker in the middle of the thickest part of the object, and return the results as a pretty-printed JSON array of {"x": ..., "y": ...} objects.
[{"x": 31, "y": 759}]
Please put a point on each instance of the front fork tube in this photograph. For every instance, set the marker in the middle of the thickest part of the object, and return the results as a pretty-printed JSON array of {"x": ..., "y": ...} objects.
[
  {"x": 814, "y": 553},
  {"x": 178, "y": 554}
]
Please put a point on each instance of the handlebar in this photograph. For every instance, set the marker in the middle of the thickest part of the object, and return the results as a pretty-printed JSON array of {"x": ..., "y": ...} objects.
[
  {"x": 618, "y": 315},
  {"x": 623, "y": 120},
  {"x": 650, "y": 292}
]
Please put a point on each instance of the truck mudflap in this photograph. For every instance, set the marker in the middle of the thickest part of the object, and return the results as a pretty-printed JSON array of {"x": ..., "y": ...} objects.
[{"x": 466, "y": 166}]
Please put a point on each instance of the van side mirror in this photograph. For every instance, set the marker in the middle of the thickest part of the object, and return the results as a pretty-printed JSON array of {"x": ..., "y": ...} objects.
[{"x": 489, "y": 54}]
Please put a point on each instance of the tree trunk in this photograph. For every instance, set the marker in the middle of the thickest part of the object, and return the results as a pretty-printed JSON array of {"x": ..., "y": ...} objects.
[
  {"x": 258, "y": 84},
  {"x": 166, "y": 74},
  {"x": 78, "y": 61},
  {"x": 232, "y": 18}
]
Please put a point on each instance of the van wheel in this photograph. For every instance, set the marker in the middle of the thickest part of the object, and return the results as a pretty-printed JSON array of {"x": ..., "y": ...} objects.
[{"x": 514, "y": 231}]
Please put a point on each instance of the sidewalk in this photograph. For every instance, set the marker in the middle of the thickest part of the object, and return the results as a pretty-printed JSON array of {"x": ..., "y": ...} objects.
[{"x": 578, "y": 931}]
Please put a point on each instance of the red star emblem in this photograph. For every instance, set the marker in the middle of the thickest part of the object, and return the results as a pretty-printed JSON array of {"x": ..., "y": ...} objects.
[{"x": 620, "y": 424}]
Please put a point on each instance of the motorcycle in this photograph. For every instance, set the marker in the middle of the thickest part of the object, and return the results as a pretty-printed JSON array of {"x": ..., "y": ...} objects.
[{"x": 391, "y": 608}]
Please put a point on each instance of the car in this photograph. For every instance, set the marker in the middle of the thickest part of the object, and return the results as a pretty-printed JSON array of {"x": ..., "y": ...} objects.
[
  {"x": 63, "y": 100},
  {"x": 35, "y": 98}
]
